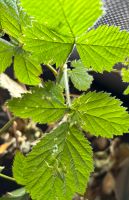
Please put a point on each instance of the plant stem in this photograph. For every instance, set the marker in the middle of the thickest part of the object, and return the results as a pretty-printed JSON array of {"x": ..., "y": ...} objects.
[
  {"x": 7, "y": 125},
  {"x": 66, "y": 82},
  {"x": 7, "y": 177},
  {"x": 52, "y": 69},
  {"x": 60, "y": 75}
]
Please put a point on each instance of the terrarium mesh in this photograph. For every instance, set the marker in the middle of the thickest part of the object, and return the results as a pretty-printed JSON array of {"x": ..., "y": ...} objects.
[{"x": 117, "y": 13}]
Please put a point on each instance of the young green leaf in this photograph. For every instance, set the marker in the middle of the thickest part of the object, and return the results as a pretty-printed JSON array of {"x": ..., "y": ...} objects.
[
  {"x": 59, "y": 165},
  {"x": 18, "y": 168},
  {"x": 100, "y": 114},
  {"x": 103, "y": 47},
  {"x": 6, "y": 53},
  {"x": 43, "y": 105},
  {"x": 26, "y": 68},
  {"x": 79, "y": 76},
  {"x": 13, "y": 18}
]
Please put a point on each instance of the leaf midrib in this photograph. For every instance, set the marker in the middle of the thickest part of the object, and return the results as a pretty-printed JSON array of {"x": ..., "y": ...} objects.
[{"x": 65, "y": 17}]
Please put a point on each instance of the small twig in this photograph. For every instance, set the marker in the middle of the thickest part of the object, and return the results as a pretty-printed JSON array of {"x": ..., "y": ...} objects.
[
  {"x": 7, "y": 125},
  {"x": 73, "y": 95},
  {"x": 116, "y": 71},
  {"x": 66, "y": 82},
  {"x": 15, "y": 134},
  {"x": 52, "y": 69},
  {"x": 7, "y": 177}
]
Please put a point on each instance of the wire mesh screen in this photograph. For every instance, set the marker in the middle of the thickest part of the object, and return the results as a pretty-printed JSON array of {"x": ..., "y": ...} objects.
[{"x": 117, "y": 13}]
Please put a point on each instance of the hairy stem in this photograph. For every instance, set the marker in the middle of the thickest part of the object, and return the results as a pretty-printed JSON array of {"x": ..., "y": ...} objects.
[
  {"x": 7, "y": 177},
  {"x": 52, "y": 69},
  {"x": 66, "y": 82},
  {"x": 7, "y": 125}
]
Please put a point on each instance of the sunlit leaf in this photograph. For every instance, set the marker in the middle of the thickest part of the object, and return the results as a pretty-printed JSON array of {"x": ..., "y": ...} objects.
[
  {"x": 100, "y": 114},
  {"x": 43, "y": 105},
  {"x": 6, "y": 53},
  {"x": 59, "y": 165}
]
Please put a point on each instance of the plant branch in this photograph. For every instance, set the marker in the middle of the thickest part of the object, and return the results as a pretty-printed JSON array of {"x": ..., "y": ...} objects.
[
  {"x": 7, "y": 125},
  {"x": 60, "y": 75},
  {"x": 7, "y": 177},
  {"x": 52, "y": 69},
  {"x": 66, "y": 82}
]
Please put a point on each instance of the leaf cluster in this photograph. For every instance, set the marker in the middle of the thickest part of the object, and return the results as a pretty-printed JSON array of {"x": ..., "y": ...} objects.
[{"x": 61, "y": 163}]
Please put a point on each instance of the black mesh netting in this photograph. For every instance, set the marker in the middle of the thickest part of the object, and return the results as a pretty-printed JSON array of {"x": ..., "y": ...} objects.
[{"x": 117, "y": 13}]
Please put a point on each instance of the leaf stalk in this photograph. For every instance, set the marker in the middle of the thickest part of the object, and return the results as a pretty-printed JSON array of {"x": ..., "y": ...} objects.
[
  {"x": 66, "y": 82},
  {"x": 52, "y": 69},
  {"x": 7, "y": 177},
  {"x": 7, "y": 125}
]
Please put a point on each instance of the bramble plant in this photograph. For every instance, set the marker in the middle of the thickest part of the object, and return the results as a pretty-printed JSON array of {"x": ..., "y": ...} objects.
[{"x": 46, "y": 32}]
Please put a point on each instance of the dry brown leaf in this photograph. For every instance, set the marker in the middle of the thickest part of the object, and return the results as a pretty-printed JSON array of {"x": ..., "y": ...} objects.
[
  {"x": 108, "y": 184},
  {"x": 4, "y": 147},
  {"x": 13, "y": 87}
]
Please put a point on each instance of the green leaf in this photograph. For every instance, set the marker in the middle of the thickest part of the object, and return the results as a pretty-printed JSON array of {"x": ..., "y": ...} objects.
[
  {"x": 46, "y": 45},
  {"x": 71, "y": 18},
  {"x": 126, "y": 92},
  {"x": 125, "y": 78},
  {"x": 103, "y": 47},
  {"x": 62, "y": 22},
  {"x": 59, "y": 165},
  {"x": 18, "y": 194},
  {"x": 12, "y": 196},
  {"x": 43, "y": 105},
  {"x": 26, "y": 68},
  {"x": 18, "y": 167},
  {"x": 6, "y": 53},
  {"x": 1, "y": 31},
  {"x": 80, "y": 77},
  {"x": 100, "y": 114},
  {"x": 99, "y": 49},
  {"x": 13, "y": 18},
  {"x": 53, "y": 41},
  {"x": 55, "y": 90},
  {"x": 125, "y": 75},
  {"x": 0, "y": 27}
]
